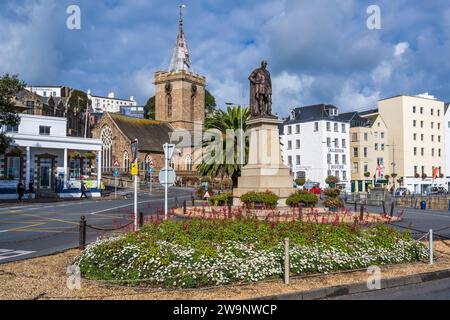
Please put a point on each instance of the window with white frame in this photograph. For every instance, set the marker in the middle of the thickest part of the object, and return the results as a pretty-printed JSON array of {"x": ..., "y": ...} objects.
[
  {"x": 126, "y": 162},
  {"x": 107, "y": 139}
]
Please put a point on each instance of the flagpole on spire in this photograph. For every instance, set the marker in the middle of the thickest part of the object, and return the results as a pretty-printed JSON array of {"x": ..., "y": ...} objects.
[
  {"x": 181, "y": 6},
  {"x": 180, "y": 57}
]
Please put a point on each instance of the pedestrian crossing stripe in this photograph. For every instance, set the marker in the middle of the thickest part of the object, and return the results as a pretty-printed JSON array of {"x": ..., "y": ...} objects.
[{"x": 8, "y": 254}]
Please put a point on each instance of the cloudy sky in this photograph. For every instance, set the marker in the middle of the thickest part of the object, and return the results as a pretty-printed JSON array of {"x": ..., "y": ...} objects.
[{"x": 318, "y": 51}]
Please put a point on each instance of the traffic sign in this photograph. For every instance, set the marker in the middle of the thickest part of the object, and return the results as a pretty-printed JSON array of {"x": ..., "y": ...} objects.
[
  {"x": 151, "y": 163},
  {"x": 116, "y": 164},
  {"x": 116, "y": 173},
  {"x": 207, "y": 195},
  {"x": 134, "y": 169},
  {"x": 134, "y": 149},
  {"x": 151, "y": 170},
  {"x": 168, "y": 150},
  {"x": 171, "y": 176}
]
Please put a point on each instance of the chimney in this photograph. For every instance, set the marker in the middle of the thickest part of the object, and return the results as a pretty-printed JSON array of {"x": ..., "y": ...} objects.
[
  {"x": 111, "y": 95},
  {"x": 132, "y": 98}
]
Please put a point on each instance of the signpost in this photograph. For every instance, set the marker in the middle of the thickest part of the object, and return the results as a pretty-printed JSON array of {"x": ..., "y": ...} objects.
[
  {"x": 151, "y": 171},
  {"x": 135, "y": 172},
  {"x": 116, "y": 175},
  {"x": 164, "y": 174}
]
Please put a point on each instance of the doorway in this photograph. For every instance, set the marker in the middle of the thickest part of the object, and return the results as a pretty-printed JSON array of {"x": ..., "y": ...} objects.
[{"x": 45, "y": 176}]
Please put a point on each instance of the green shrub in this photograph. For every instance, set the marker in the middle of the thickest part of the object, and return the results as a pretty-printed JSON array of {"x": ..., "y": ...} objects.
[
  {"x": 302, "y": 198},
  {"x": 332, "y": 192},
  {"x": 300, "y": 181},
  {"x": 219, "y": 199},
  {"x": 267, "y": 199},
  {"x": 330, "y": 202}
]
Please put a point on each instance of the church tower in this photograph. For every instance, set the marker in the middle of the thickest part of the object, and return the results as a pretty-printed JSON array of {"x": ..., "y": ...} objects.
[{"x": 179, "y": 92}]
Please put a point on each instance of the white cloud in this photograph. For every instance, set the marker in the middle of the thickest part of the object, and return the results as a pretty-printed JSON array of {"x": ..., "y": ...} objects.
[
  {"x": 382, "y": 72},
  {"x": 401, "y": 48},
  {"x": 289, "y": 90},
  {"x": 352, "y": 98}
]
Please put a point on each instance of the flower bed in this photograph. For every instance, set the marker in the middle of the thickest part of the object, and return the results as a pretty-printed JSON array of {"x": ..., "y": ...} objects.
[{"x": 200, "y": 253}]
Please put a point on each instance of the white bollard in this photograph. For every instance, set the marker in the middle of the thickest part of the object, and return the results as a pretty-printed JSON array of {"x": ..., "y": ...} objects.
[
  {"x": 431, "y": 246},
  {"x": 286, "y": 261}
]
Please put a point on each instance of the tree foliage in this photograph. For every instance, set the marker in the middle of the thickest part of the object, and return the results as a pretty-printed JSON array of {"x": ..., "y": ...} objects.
[
  {"x": 10, "y": 85},
  {"x": 210, "y": 103},
  {"x": 79, "y": 100},
  {"x": 223, "y": 121},
  {"x": 149, "y": 109}
]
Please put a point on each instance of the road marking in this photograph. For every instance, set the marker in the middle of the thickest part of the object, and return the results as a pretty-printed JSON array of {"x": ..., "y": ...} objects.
[
  {"x": 429, "y": 214},
  {"x": 8, "y": 254},
  {"x": 132, "y": 204},
  {"x": 119, "y": 207},
  {"x": 26, "y": 227},
  {"x": 3, "y": 231}
]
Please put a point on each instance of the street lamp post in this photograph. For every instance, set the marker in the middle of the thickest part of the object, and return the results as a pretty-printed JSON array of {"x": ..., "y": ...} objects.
[{"x": 393, "y": 165}]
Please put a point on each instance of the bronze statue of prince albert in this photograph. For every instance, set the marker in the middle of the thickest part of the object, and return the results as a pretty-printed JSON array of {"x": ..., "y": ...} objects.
[{"x": 261, "y": 93}]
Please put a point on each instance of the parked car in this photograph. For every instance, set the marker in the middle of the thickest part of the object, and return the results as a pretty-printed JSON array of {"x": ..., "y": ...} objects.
[
  {"x": 436, "y": 190},
  {"x": 402, "y": 192}
]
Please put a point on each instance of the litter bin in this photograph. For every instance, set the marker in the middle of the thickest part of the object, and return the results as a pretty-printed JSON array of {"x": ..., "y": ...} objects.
[{"x": 423, "y": 205}]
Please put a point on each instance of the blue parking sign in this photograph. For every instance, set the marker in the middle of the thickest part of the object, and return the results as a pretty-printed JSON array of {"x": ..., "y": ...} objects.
[
  {"x": 116, "y": 173},
  {"x": 151, "y": 170}
]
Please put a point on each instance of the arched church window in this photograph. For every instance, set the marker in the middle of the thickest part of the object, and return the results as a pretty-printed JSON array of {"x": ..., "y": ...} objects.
[
  {"x": 107, "y": 139},
  {"x": 126, "y": 162}
]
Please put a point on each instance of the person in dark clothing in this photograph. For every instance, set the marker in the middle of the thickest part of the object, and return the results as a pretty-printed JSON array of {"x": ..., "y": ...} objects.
[
  {"x": 20, "y": 191},
  {"x": 83, "y": 190},
  {"x": 31, "y": 189}
]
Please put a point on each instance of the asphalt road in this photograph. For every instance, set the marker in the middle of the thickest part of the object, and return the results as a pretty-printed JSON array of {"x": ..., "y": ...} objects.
[
  {"x": 433, "y": 290},
  {"x": 422, "y": 220},
  {"x": 32, "y": 230}
]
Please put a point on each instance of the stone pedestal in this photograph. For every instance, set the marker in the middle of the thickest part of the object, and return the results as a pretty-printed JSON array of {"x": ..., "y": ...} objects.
[{"x": 265, "y": 169}]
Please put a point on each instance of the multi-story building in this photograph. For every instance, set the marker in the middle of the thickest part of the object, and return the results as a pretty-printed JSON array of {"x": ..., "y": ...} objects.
[
  {"x": 109, "y": 103},
  {"x": 50, "y": 91},
  {"x": 42, "y": 154},
  {"x": 447, "y": 143},
  {"x": 369, "y": 151},
  {"x": 315, "y": 145},
  {"x": 416, "y": 126}
]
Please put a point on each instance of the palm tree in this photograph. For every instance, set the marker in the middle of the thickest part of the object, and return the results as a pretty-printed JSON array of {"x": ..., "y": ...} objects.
[{"x": 223, "y": 121}]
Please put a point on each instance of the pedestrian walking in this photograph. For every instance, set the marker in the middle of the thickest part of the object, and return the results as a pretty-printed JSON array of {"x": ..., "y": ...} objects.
[
  {"x": 20, "y": 190},
  {"x": 83, "y": 190},
  {"x": 31, "y": 190},
  {"x": 102, "y": 188}
]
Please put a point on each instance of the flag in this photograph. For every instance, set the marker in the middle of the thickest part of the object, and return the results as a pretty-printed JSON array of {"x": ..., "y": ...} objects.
[
  {"x": 379, "y": 172},
  {"x": 435, "y": 173}
]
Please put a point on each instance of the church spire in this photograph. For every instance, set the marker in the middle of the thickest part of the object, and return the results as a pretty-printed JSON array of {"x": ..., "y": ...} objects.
[{"x": 180, "y": 58}]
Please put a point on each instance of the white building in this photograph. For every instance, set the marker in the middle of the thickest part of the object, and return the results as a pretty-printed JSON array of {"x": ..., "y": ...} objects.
[
  {"x": 49, "y": 91},
  {"x": 110, "y": 103},
  {"x": 316, "y": 145},
  {"x": 42, "y": 153},
  {"x": 417, "y": 134},
  {"x": 447, "y": 143}
]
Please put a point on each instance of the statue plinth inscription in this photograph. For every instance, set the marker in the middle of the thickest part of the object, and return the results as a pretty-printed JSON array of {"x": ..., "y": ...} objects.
[{"x": 265, "y": 169}]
